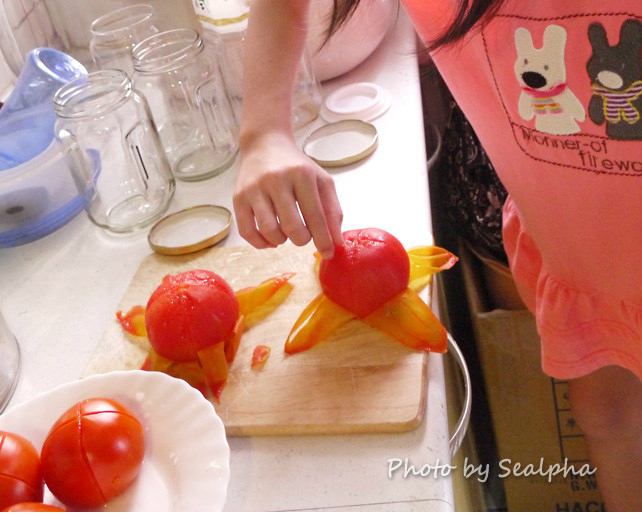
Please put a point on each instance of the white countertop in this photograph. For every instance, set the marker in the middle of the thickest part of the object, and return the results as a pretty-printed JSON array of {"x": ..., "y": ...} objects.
[{"x": 59, "y": 292}]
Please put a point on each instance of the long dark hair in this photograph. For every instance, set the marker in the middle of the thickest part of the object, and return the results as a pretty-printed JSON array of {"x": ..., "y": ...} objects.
[{"x": 469, "y": 14}]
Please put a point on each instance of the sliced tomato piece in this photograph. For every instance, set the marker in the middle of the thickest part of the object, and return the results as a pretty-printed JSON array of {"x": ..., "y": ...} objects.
[
  {"x": 134, "y": 321},
  {"x": 410, "y": 321},
  {"x": 317, "y": 261},
  {"x": 426, "y": 261},
  {"x": 252, "y": 297},
  {"x": 260, "y": 355},
  {"x": 318, "y": 320}
]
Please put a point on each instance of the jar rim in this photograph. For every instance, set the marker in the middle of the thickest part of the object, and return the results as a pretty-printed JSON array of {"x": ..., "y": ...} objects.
[
  {"x": 94, "y": 94},
  {"x": 120, "y": 22},
  {"x": 166, "y": 50}
]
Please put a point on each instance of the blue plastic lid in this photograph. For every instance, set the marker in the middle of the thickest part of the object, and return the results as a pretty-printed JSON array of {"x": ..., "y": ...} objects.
[
  {"x": 39, "y": 197},
  {"x": 27, "y": 118},
  {"x": 42, "y": 226}
]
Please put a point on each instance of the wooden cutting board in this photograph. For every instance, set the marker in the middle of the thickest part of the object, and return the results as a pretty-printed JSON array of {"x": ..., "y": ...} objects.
[{"x": 358, "y": 380}]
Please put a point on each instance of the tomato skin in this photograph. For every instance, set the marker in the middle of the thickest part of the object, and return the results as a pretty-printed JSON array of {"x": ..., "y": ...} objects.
[
  {"x": 188, "y": 312},
  {"x": 260, "y": 355},
  {"x": 33, "y": 507},
  {"x": 20, "y": 474},
  {"x": 92, "y": 453},
  {"x": 371, "y": 268}
]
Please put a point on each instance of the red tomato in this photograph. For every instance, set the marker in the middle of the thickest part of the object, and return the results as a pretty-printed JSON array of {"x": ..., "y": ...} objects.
[
  {"x": 33, "y": 507},
  {"x": 188, "y": 312},
  {"x": 20, "y": 476},
  {"x": 370, "y": 269},
  {"x": 92, "y": 453}
]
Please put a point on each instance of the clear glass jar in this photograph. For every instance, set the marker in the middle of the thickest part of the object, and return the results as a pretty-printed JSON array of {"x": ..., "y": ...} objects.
[
  {"x": 64, "y": 25},
  {"x": 188, "y": 101},
  {"x": 9, "y": 363},
  {"x": 113, "y": 35},
  {"x": 226, "y": 21},
  {"x": 113, "y": 150}
]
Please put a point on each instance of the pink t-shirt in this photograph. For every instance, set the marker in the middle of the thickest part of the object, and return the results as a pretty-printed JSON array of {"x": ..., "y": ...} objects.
[{"x": 553, "y": 89}]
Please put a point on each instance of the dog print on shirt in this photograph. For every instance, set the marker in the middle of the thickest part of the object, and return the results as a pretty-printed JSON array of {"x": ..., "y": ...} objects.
[
  {"x": 541, "y": 72},
  {"x": 615, "y": 72},
  {"x": 571, "y": 87}
]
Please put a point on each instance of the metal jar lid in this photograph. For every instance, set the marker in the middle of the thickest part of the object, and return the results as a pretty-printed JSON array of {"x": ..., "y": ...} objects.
[{"x": 190, "y": 230}]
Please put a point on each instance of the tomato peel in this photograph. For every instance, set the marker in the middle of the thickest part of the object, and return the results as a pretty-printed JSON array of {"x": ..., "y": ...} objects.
[
  {"x": 214, "y": 364},
  {"x": 191, "y": 372},
  {"x": 318, "y": 320},
  {"x": 232, "y": 345},
  {"x": 133, "y": 321},
  {"x": 260, "y": 355},
  {"x": 410, "y": 321},
  {"x": 250, "y": 298},
  {"x": 426, "y": 261}
]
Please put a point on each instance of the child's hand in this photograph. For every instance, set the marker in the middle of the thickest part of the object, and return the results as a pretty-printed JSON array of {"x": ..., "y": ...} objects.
[{"x": 282, "y": 194}]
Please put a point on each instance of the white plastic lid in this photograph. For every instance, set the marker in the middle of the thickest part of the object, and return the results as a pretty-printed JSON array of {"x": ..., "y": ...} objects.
[
  {"x": 190, "y": 230},
  {"x": 363, "y": 101}
]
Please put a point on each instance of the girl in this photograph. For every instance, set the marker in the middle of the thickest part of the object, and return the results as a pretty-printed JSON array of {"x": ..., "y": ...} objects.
[{"x": 553, "y": 89}]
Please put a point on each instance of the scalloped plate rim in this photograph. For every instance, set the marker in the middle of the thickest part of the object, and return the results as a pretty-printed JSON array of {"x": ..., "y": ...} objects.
[{"x": 201, "y": 469}]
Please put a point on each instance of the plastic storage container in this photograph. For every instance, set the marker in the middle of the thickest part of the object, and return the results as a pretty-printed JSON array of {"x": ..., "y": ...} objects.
[
  {"x": 36, "y": 198},
  {"x": 37, "y": 192}
]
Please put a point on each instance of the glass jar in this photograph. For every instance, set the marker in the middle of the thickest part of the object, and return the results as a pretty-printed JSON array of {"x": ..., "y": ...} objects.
[
  {"x": 113, "y": 150},
  {"x": 113, "y": 35},
  {"x": 64, "y": 25},
  {"x": 9, "y": 363},
  {"x": 188, "y": 101},
  {"x": 227, "y": 20}
]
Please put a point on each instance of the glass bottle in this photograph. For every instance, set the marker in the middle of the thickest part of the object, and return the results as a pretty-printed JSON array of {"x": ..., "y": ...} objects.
[
  {"x": 113, "y": 35},
  {"x": 189, "y": 103},
  {"x": 113, "y": 150},
  {"x": 227, "y": 22},
  {"x": 9, "y": 363}
]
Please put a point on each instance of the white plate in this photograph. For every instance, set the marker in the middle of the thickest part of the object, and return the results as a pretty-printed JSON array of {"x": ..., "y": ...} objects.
[{"x": 186, "y": 464}]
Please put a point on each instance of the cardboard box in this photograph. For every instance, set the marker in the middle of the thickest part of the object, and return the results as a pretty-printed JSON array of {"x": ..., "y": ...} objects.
[{"x": 537, "y": 439}]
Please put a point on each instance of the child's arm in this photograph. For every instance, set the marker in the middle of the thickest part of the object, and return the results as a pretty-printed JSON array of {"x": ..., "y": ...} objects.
[{"x": 276, "y": 180}]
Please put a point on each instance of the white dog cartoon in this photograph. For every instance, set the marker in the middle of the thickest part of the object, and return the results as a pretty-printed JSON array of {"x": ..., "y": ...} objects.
[{"x": 542, "y": 76}]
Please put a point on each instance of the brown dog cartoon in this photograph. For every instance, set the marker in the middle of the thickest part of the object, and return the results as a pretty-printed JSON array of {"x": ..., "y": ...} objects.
[{"x": 616, "y": 80}]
